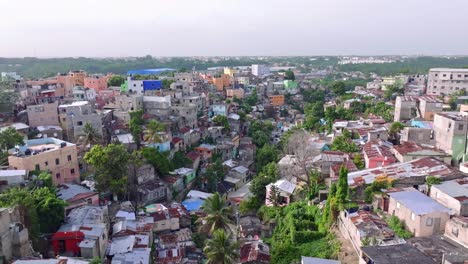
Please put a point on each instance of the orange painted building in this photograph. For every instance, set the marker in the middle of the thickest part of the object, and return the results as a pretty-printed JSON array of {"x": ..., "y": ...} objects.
[
  {"x": 70, "y": 80},
  {"x": 276, "y": 100},
  {"x": 221, "y": 82},
  {"x": 96, "y": 82},
  {"x": 238, "y": 93}
]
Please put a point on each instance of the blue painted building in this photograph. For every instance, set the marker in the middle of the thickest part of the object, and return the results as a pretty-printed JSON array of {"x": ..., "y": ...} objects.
[{"x": 152, "y": 85}]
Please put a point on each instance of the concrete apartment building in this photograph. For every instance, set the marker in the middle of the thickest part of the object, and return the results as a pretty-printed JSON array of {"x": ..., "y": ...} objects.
[
  {"x": 238, "y": 93},
  {"x": 43, "y": 115},
  {"x": 260, "y": 70},
  {"x": 182, "y": 87},
  {"x": 276, "y": 100},
  {"x": 14, "y": 236},
  {"x": 157, "y": 105},
  {"x": 457, "y": 230},
  {"x": 422, "y": 215},
  {"x": 74, "y": 116},
  {"x": 452, "y": 194},
  {"x": 81, "y": 93},
  {"x": 70, "y": 80},
  {"x": 48, "y": 154},
  {"x": 450, "y": 132},
  {"x": 425, "y": 107},
  {"x": 446, "y": 81},
  {"x": 418, "y": 135},
  {"x": 221, "y": 82}
]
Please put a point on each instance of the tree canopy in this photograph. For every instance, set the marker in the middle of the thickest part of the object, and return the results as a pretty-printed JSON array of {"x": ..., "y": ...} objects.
[
  {"x": 116, "y": 80},
  {"x": 110, "y": 165}
]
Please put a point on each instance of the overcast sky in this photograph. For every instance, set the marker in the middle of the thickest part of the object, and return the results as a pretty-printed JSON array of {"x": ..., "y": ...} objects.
[{"x": 100, "y": 28}]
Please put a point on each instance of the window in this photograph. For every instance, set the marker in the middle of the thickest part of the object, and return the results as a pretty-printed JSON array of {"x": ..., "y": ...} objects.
[
  {"x": 79, "y": 123},
  {"x": 72, "y": 171},
  {"x": 444, "y": 75},
  {"x": 455, "y": 231},
  {"x": 57, "y": 161},
  {"x": 46, "y": 163},
  {"x": 429, "y": 221},
  {"x": 413, "y": 216},
  {"x": 38, "y": 167},
  {"x": 460, "y": 127},
  {"x": 69, "y": 157},
  {"x": 57, "y": 175}
]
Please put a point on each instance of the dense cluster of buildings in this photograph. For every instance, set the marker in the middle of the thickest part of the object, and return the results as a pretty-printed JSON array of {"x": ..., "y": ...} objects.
[{"x": 54, "y": 114}]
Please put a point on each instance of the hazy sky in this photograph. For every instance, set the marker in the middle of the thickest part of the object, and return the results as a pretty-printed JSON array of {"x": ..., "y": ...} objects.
[{"x": 57, "y": 28}]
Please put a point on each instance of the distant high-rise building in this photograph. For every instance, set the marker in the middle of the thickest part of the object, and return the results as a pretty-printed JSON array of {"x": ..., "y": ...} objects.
[
  {"x": 446, "y": 81},
  {"x": 260, "y": 70}
]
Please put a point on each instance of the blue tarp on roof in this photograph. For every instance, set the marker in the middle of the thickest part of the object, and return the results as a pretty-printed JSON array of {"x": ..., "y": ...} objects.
[
  {"x": 193, "y": 204},
  {"x": 151, "y": 85},
  {"x": 149, "y": 71}
]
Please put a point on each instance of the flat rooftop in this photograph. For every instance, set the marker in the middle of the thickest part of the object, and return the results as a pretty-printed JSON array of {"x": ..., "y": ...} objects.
[
  {"x": 449, "y": 70},
  {"x": 418, "y": 202},
  {"x": 40, "y": 145}
]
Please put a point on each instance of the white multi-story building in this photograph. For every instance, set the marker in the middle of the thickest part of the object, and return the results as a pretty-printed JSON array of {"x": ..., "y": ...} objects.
[
  {"x": 260, "y": 70},
  {"x": 446, "y": 81}
]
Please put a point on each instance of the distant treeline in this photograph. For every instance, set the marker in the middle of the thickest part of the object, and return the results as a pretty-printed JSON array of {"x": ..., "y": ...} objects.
[
  {"x": 37, "y": 68},
  {"x": 409, "y": 65}
]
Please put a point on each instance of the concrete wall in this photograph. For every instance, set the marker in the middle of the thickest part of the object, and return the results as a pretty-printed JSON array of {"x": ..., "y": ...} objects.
[
  {"x": 419, "y": 225},
  {"x": 61, "y": 173},
  {"x": 418, "y": 135},
  {"x": 447, "y": 81},
  {"x": 457, "y": 229},
  {"x": 45, "y": 114},
  {"x": 447, "y": 201}
]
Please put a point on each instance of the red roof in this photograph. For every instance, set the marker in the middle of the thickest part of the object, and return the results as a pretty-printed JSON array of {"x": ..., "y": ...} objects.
[
  {"x": 193, "y": 155},
  {"x": 377, "y": 149},
  {"x": 409, "y": 146},
  {"x": 184, "y": 130},
  {"x": 176, "y": 140},
  {"x": 349, "y": 165},
  {"x": 254, "y": 252}
]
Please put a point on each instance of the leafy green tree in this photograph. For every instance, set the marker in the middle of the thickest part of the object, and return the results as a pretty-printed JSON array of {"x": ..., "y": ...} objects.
[
  {"x": 289, "y": 75},
  {"x": 395, "y": 128},
  {"x": 341, "y": 143},
  {"x": 220, "y": 249},
  {"x": 9, "y": 138},
  {"x": 214, "y": 174},
  {"x": 46, "y": 180},
  {"x": 223, "y": 121},
  {"x": 153, "y": 130},
  {"x": 264, "y": 155},
  {"x": 135, "y": 126},
  {"x": 110, "y": 165},
  {"x": 90, "y": 136},
  {"x": 158, "y": 160},
  {"x": 260, "y": 138},
  {"x": 179, "y": 160},
  {"x": 269, "y": 174},
  {"x": 49, "y": 209},
  {"x": 339, "y": 88},
  {"x": 342, "y": 190},
  {"x": 252, "y": 99},
  {"x": 166, "y": 83},
  {"x": 357, "y": 160},
  {"x": 218, "y": 215},
  {"x": 116, "y": 80}
]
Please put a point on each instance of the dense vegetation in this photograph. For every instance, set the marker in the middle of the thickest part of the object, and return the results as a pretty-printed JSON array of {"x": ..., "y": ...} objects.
[{"x": 298, "y": 233}]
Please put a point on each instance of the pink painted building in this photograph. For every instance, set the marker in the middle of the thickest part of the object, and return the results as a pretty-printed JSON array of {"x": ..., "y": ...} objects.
[
  {"x": 48, "y": 154},
  {"x": 377, "y": 154}
]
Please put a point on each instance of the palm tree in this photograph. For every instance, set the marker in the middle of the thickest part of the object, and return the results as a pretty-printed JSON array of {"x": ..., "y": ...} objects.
[
  {"x": 90, "y": 136},
  {"x": 217, "y": 215},
  {"x": 220, "y": 249},
  {"x": 152, "y": 131}
]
